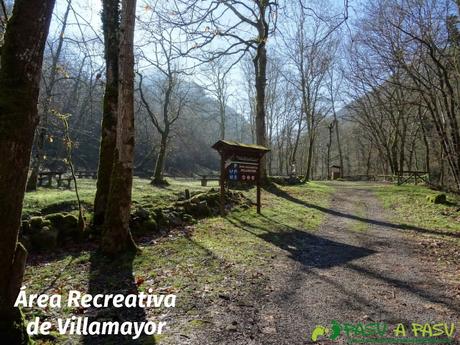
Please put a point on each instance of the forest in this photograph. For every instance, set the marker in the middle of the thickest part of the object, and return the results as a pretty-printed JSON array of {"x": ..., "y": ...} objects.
[
  {"x": 109, "y": 112},
  {"x": 346, "y": 92}
]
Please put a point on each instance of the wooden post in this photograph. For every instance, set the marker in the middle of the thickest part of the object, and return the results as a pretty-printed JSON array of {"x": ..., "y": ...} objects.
[
  {"x": 222, "y": 187},
  {"x": 258, "y": 187}
]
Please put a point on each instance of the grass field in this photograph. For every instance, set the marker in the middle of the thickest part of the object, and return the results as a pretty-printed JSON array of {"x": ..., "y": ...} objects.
[
  {"x": 200, "y": 263},
  {"x": 210, "y": 260},
  {"x": 142, "y": 191},
  {"x": 410, "y": 206}
]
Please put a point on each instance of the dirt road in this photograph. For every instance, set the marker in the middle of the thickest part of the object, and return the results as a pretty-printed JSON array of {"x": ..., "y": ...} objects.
[{"x": 358, "y": 267}]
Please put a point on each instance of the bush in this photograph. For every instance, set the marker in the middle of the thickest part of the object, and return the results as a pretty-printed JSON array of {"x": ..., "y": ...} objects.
[{"x": 437, "y": 198}]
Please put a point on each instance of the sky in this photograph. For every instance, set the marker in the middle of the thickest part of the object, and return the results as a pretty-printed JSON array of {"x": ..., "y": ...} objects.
[{"x": 86, "y": 22}]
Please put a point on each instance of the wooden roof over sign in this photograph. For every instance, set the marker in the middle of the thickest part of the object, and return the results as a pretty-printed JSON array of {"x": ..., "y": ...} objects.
[{"x": 234, "y": 146}]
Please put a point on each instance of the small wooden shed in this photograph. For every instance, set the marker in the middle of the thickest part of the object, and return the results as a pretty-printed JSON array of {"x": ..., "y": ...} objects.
[{"x": 336, "y": 172}]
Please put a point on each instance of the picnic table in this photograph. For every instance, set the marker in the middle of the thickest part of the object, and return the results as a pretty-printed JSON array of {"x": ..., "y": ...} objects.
[
  {"x": 417, "y": 176},
  {"x": 60, "y": 176},
  {"x": 206, "y": 178}
]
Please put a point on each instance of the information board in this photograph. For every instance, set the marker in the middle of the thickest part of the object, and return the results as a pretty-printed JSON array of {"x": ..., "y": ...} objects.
[
  {"x": 242, "y": 171},
  {"x": 239, "y": 163}
]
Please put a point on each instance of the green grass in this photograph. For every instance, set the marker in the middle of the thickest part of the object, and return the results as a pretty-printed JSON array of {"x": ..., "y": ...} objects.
[
  {"x": 220, "y": 256},
  {"x": 143, "y": 191},
  {"x": 410, "y": 207},
  {"x": 359, "y": 211}
]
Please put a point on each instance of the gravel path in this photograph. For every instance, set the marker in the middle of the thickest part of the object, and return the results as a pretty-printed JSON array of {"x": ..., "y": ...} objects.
[{"x": 358, "y": 267}]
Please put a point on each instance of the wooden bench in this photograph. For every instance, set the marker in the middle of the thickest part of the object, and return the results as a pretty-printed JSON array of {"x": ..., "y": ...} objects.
[
  {"x": 206, "y": 178},
  {"x": 415, "y": 175}
]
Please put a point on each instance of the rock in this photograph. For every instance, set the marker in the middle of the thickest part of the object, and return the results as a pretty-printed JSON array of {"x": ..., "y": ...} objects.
[
  {"x": 150, "y": 226},
  {"x": 69, "y": 227},
  {"x": 197, "y": 198},
  {"x": 231, "y": 328},
  {"x": 44, "y": 239},
  {"x": 156, "y": 213},
  {"x": 198, "y": 210},
  {"x": 213, "y": 199},
  {"x": 145, "y": 227},
  {"x": 142, "y": 213},
  {"x": 55, "y": 218},
  {"x": 175, "y": 218},
  {"x": 163, "y": 218},
  {"x": 144, "y": 221},
  {"x": 65, "y": 224},
  {"x": 36, "y": 223},
  {"x": 188, "y": 218},
  {"x": 437, "y": 198}
]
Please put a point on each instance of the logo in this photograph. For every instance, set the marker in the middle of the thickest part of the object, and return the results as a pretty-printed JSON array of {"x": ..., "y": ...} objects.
[{"x": 383, "y": 333}]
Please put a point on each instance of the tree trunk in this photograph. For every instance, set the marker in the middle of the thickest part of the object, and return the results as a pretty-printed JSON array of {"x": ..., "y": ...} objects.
[
  {"x": 222, "y": 117},
  {"x": 116, "y": 236},
  {"x": 442, "y": 170},
  {"x": 260, "y": 64},
  {"x": 110, "y": 19},
  {"x": 368, "y": 162},
  {"x": 329, "y": 145},
  {"x": 297, "y": 140},
  {"x": 339, "y": 145},
  {"x": 21, "y": 63},
  {"x": 159, "y": 165},
  {"x": 311, "y": 142}
]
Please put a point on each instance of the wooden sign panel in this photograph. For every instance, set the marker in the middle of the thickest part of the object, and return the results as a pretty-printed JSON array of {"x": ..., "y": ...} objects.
[{"x": 242, "y": 171}]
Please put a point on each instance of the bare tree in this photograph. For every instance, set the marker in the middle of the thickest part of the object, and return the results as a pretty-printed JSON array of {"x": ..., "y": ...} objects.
[
  {"x": 334, "y": 89},
  {"x": 173, "y": 97},
  {"x": 406, "y": 67},
  {"x": 50, "y": 84},
  {"x": 310, "y": 50},
  {"x": 244, "y": 27},
  {"x": 216, "y": 83}
]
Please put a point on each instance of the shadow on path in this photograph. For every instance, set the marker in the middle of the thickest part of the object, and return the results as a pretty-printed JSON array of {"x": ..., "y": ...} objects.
[
  {"x": 403, "y": 285},
  {"x": 114, "y": 276},
  {"x": 282, "y": 194},
  {"x": 310, "y": 250},
  {"x": 314, "y": 251}
]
